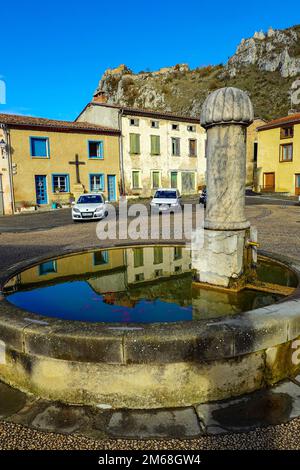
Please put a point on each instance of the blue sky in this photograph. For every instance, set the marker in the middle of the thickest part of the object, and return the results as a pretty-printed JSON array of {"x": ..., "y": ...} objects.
[{"x": 53, "y": 53}]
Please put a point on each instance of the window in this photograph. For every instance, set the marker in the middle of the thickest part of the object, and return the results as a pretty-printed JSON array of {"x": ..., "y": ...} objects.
[
  {"x": 136, "y": 179},
  {"x": 175, "y": 127},
  {"x": 95, "y": 149},
  {"x": 177, "y": 252},
  {"x": 286, "y": 152},
  {"x": 97, "y": 182},
  {"x": 100, "y": 257},
  {"x": 158, "y": 254},
  {"x": 135, "y": 144},
  {"x": 192, "y": 147},
  {"x": 138, "y": 257},
  {"x": 178, "y": 269},
  {"x": 155, "y": 124},
  {"x": 155, "y": 144},
  {"x": 175, "y": 146},
  {"x": 47, "y": 268},
  {"x": 191, "y": 128},
  {"x": 155, "y": 179},
  {"x": 139, "y": 277},
  {"x": 39, "y": 147},
  {"x": 90, "y": 199},
  {"x": 134, "y": 122},
  {"x": 158, "y": 272},
  {"x": 174, "y": 179},
  {"x": 287, "y": 132},
  {"x": 60, "y": 183}
]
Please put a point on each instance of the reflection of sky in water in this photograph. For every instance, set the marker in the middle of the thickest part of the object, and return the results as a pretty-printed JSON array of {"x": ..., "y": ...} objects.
[{"x": 77, "y": 301}]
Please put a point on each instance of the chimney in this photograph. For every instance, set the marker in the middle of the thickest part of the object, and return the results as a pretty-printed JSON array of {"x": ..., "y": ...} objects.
[{"x": 100, "y": 97}]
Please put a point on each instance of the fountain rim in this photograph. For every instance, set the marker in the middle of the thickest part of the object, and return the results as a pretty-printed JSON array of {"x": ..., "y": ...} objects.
[{"x": 139, "y": 343}]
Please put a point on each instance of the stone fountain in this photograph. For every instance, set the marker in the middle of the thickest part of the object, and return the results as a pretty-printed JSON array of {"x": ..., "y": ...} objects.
[{"x": 222, "y": 251}]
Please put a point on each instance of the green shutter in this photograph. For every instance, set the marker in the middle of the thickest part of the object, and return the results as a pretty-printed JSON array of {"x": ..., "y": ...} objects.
[
  {"x": 135, "y": 179},
  {"x": 174, "y": 179},
  {"x": 155, "y": 179},
  {"x": 177, "y": 252},
  {"x": 138, "y": 256},
  {"x": 135, "y": 143},
  {"x": 155, "y": 145},
  {"x": 158, "y": 254}
]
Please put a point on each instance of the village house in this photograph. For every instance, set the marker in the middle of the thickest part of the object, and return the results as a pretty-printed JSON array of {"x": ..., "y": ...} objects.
[
  {"x": 278, "y": 158},
  {"x": 46, "y": 162},
  {"x": 157, "y": 149}
]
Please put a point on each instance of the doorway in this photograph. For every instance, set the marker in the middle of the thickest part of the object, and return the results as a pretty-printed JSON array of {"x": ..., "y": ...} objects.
[{"x": 269, "y": 182}]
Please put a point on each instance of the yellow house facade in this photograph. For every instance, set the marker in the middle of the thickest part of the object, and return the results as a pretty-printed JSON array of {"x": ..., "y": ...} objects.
[
  {"x": 251, "y": 151},
  {"x": 278, "y": 158},
  {"x": 51, "y": 162}
]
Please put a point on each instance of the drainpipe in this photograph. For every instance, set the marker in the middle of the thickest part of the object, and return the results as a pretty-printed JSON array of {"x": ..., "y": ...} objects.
[
  {"x": 10, "y": 168},
  {"x": 120, "y": 115}
]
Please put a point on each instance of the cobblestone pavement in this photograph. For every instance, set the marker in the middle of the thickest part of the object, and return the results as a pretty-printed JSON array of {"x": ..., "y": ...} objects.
[{"x": 278, "y": 227}]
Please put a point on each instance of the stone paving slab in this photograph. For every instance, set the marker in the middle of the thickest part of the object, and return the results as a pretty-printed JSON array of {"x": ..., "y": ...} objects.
[
  {"x": 266, "y": 407},
  {"x": 181, "y": 423},
  {"x": 259, "y": 409}
]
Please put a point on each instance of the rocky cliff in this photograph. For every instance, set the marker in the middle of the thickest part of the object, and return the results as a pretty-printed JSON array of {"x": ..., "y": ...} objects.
[{"x": 265, "y": 65}]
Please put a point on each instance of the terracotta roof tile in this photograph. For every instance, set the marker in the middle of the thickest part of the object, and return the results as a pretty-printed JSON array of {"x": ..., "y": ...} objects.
[
  {"x": 291, "y": 119},
  {"x": 15, "y": 120}
]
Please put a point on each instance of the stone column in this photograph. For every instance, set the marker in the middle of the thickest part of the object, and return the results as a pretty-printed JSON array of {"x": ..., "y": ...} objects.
[{"x": 218, "y": 251}]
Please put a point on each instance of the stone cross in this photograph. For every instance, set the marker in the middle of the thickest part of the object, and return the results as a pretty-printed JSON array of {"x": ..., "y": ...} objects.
[{"x": 77, "y": 163}]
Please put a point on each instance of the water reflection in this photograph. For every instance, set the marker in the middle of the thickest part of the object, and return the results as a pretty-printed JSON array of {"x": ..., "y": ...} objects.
[{"x": 142, "y": 284}]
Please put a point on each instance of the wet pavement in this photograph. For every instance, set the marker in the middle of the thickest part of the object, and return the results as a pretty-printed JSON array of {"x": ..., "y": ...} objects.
[{"x": 200, "y": 424}]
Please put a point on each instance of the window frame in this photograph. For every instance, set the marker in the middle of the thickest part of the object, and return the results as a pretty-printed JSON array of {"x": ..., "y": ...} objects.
[
  {"x": 157, "y": 137},
  {"x": 65, "y": 175},
  {"x": 135, "y": 263},
  {"x": 106, "y": 258},
  {"x": 281, "y": 152},
  {"x": 282, "y": 132},
  {"x": 134, "y": 122},
  {"x": 156, "y": 126},
  {"x": 139, "y": 145},
  {"x": 37, "y": 137},
  {"x": 159, "y": 179},
  {"x": 101, "y": 146},
  {"x": 196, "y": 148},
  {"x": 139, "y": 177},
  {"x": 177, "y": 139},
  {"x": 46, "y": 273},
  {"x": 174, "y": 127},
  {"x": 102, "y": 176}
]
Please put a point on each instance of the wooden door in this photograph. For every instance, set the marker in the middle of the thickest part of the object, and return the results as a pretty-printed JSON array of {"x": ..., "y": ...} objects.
[
  {"x": 269, "y": 182},
  {"x": 297, "y": 185}
]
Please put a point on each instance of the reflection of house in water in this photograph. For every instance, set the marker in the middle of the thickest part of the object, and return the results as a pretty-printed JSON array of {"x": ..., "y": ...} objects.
[
  {"x": 150, "y": 263},
  {"x": 105, "y": 271},
  {"x": 108, "y": 264}
]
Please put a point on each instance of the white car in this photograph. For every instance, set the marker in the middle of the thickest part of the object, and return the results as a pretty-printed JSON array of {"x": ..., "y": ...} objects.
[
  {"x": 89, "y": 206},
  {"x": 166, "y": 200}
]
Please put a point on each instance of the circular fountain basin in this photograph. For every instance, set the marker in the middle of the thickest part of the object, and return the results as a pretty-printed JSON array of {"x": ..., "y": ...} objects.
[{"x": 127, "y": 327}]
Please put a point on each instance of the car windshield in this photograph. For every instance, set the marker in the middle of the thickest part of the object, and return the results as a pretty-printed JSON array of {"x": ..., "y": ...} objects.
[
  {"x": 90, "y": 199},
  {"x": 165, "y": 195}
]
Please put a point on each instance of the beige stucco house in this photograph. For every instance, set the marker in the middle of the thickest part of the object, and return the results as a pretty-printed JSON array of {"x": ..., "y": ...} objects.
[{"x": 156, "y": 149}]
